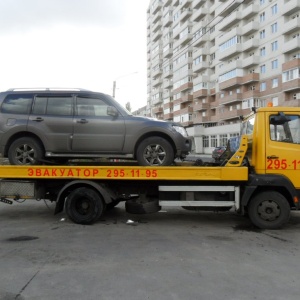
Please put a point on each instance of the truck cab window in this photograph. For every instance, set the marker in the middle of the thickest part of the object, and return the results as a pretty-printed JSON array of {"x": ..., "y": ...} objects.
[{"x": 285, "y": 128}]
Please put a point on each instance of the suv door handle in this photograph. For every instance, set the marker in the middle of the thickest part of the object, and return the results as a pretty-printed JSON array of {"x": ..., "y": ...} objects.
[
  {"x": 38, "y": 119},
  {"x": 82, "y": 121},
  {"x": 272, "y": 157}
]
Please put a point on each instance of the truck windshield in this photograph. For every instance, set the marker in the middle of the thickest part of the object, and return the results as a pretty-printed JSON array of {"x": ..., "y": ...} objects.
[{"x": 285, "y": 128}]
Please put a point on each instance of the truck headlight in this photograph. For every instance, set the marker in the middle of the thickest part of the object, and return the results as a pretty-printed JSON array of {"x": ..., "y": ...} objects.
[{"x": 181, "y": 130}]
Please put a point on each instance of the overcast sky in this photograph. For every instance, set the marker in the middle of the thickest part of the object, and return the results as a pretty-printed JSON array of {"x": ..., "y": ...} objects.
[{"x": 75, "y": 43}]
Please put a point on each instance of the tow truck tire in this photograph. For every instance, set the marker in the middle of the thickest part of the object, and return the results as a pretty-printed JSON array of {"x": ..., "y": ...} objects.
[
  {"x": 84, "y": 206},
  {"x": 25, "y": 151},
  {"x": 155, "y": 151},
  {"x": 269, "y": 210}
]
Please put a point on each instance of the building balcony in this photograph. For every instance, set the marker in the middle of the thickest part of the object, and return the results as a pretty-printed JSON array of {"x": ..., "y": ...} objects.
[
  {"x": 184, "y": 87},
  {"x": 290, "y": 7},
  {"x": 250, "y": 27},
  {"x": 185, "y": 15},
  {"x": 187, "y": 98},
  {"x": 199, "y": 41},
  {"x": 237, "y": 81},
  {"x": 250, "y": 11},
  {"x": 291, "y": 85},
  {"x": 156, "y": 36},
  {"x": 156, "y": 82},
  {"x": 157, "y": 6},
  {"x": 168, "y": 105},
  {"x": 225, "y": 9},
  {"x": 168, "y": 116},
  {"x": 235, "y": 64},
  {"x": 251, "y": 61},
  {"x": 231, "y": 20},
  {"x": 228, "y": 35},
  {"x": 200, "y": 66},
  {"x": 157, "y": 110},
  {"x": 233, "y": 114},
  {"x": 292, "y": 103},
  {"x": 201, "y": 106},
  {"x": 198, "y": 3},
  {"x": 156, "y": 17},
  {"x": 291, "y": 45},
  {"x": 200, "y": 14},
  {"x": 186, "y": 110},
  {"x": 185, "y": 39},
  {"x": 291, "y": 26},
  {"x": 168, "y": 53},
  {"x": 167, "y": 2},
  {"x": 168, "y": 74},
  {"x": 168, "y": 83},
  {"x": 156, "y": 72},
  {"x": 167, "y": 21},
  {"x": 250, "y": 45},
  {"x": 232, "y": 51},
  {"x": 251, "y": 94},
  {"x": 200, "y": 51},
  {"x": 291, "y": 64},
  {"x": 197, "y": 26},
  {"x": 238, "y": 97},
  {"x": 201, "y": 119},
  {"x": 200, "y": 93}
]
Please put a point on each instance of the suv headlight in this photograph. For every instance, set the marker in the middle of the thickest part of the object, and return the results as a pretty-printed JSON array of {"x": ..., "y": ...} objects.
[{"x": 181, "y": 130}]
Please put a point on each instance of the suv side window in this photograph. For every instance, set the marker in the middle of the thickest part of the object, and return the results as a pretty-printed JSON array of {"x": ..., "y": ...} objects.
[
  {"x": 91, "y": 107},
  {"x": 17, "y": 104},
  {"x": 44, "y": 105}
]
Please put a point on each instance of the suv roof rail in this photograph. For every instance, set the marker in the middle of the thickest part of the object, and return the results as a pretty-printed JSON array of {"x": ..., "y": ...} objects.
[{"x": 46, "y": 89}]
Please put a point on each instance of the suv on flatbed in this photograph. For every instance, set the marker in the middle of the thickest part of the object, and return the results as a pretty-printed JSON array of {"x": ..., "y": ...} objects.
[{"x": 53, "y": 125}]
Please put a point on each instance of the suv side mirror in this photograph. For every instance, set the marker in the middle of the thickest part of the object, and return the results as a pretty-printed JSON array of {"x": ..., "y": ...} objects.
[{"x": 112, "y": 111}]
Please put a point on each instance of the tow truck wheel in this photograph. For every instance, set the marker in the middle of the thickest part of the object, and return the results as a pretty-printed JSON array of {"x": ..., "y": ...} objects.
[
  {"x": 155, "y": 151},
  {"x": 269, "y": 210},
  {"x": 25, "y": 151},
  {"x": 84, "y": 206}
]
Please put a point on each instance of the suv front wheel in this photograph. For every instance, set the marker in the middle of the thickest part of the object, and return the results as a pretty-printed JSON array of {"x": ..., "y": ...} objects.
[
  {"x": 25, "y": 151},
  {"x": 155, "y": 151}
]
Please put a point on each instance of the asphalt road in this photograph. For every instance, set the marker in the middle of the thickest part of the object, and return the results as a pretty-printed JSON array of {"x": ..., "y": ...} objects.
[{"x": 174, "y": 254}]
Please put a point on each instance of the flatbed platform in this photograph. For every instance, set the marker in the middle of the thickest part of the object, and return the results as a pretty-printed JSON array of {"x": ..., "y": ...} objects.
[{"x": 125, "y": 173}]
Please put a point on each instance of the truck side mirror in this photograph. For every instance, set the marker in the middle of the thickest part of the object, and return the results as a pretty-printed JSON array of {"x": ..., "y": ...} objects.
[
  {"x": 280, "y": 119},
  {"x": 112, "y": 111}
]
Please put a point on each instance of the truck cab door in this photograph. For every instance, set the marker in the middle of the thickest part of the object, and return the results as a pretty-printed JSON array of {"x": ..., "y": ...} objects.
[{"x": 283, "y": 146}]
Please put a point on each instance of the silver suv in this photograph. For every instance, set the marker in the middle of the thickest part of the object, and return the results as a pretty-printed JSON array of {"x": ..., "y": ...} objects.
[{"x": 54, "y": 125}]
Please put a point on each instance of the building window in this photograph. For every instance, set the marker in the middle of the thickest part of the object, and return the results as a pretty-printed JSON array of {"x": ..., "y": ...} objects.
[
  {"x": 291, "y": 75},
  {"x": 263, "y": 86},
  {"x": 231, "y": 42},
  {"x": 263, "y": 51},
  {"x": 274, "y": 28},
  {"x": 274, "y": 82},
  {"x": 262, "y": 34},
  {"x": 262, "y": 17},
  {"x": 274, "y": 9},
  {"x": 223, "y": 140},
  {"x": 274, "y": 46},
  {"x": 261, "y": 2},
  {"x": 263, "y": 69},
  {"x": 205, "y": 141},
  {"x": 275, "y": 64},
  {"x": 213, "y": 141},
  {"x": 275, "y": 101}
]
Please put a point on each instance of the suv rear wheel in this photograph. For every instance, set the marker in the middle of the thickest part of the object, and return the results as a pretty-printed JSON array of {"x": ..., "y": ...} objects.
[
  {"x": 25, "y": 151},
  {"x": 155, "y": 151}
]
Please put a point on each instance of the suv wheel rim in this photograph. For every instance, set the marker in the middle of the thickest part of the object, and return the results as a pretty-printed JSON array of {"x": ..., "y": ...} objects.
[
  {"x": 155, "y": 155},
  {"x": 25, "y": 154}
]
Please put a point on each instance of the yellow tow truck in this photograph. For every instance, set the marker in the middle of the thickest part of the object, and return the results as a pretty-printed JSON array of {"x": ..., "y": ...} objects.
[{"x": 260, "y": 178}]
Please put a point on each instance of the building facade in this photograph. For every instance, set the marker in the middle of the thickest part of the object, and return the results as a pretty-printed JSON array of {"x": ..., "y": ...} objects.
[{"x": 210, "y": 61}]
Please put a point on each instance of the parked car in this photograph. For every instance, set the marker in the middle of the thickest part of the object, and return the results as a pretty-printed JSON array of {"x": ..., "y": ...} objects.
[
  {"x": 52, "y": 125},
  {"x": 217, "y": 152}
]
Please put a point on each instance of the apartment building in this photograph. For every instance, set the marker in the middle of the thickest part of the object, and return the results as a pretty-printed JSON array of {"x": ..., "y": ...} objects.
[{"x": 210, "y": 61}]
